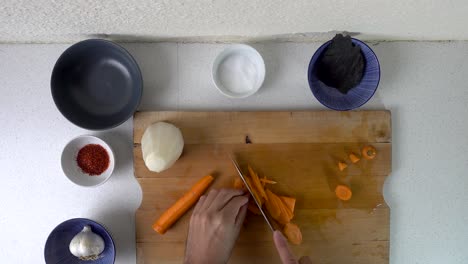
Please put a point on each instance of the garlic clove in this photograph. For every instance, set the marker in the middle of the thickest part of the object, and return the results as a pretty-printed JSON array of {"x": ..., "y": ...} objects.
[{"x": 87, "y": 245}]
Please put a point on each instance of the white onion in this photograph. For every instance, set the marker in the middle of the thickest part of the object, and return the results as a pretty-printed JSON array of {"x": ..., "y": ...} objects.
[{"x": 161, "y": 145}]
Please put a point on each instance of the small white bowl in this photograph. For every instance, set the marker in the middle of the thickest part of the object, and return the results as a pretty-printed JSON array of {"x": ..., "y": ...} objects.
[
  {"x": 238, "y": 71},
  {"x": 73, "y": 171}
]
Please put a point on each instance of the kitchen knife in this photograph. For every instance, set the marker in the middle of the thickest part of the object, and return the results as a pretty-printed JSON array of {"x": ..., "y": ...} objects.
[{"x": 249, "y": 188}]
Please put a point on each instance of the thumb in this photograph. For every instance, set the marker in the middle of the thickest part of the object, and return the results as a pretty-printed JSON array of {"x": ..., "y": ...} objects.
[{"x": 282, "y": 247}]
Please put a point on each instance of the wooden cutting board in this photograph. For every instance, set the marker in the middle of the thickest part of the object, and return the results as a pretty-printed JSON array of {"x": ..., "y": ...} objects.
[{"x": 300, "y": 150}]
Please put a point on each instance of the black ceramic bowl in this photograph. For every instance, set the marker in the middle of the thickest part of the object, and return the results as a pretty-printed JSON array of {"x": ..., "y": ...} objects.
[{"x": 96, "y": 84}]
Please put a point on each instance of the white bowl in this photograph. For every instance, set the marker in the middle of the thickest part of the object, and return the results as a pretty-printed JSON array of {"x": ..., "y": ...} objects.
[
  {"x": 73, "y": 171},
  {"x": 238, "y": 71}
]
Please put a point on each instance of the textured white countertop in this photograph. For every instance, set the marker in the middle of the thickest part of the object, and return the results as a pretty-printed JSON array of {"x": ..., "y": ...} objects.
[{"x": 425, "y": 85}]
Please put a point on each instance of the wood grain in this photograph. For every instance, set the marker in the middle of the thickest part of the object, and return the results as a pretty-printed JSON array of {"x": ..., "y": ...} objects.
[
  {"x": 272, "y": 127},
  {"x": 300, "y": 150}
]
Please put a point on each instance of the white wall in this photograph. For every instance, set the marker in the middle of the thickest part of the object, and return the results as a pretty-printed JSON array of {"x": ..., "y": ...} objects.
[{"x": 230, "y": 20}]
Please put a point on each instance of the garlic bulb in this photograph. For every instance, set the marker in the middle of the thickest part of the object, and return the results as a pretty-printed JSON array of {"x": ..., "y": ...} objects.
[
  {"x": 161, "y": 145},
  {"x": 87, "y": 245}
]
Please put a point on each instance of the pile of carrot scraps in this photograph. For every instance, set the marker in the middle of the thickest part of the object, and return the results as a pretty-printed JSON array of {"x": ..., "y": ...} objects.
[{"x": 280, "y": 208}]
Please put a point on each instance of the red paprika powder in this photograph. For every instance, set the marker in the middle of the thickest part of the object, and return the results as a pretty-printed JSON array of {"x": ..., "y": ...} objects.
[{"x": 93, "y": 159}]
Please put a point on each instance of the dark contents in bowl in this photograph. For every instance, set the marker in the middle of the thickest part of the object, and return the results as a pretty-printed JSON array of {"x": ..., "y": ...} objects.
[
  {"x": 342, "y": 65},
  {"x": 93, "y": 159}
]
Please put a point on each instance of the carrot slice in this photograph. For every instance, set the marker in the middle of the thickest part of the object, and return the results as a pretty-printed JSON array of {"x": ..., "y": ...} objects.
[
  {"x": 354, "y": 158},
  {"x": 342, "y": 165},
  {"x": 343, "y": 192},
  {"x": 369, "y": 152},
  {"x": 171, "y": 215},
  {"x": 293, "y": 233},
  {"x": 267, "y": 181},
  {"x": 257, "y": 184},
  {"x": 271, "y": 205},
  {"x": 252, "y": 207},
  {"x": 290, "y": 202}
]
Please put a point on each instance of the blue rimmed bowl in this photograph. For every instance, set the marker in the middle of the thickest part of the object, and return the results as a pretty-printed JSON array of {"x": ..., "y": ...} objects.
[
  {"x": 57, "y": 250},
  {"x": 357, "y": 96}
]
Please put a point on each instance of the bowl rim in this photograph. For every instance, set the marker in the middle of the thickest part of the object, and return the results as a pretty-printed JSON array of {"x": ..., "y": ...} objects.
[
  {"x": 117, "y": 46},
  {"x": 84, "y": 219},
  {"x": 100, "y": 140},
  {"x": 309, "y": 72},
  {"x": 228, "y": 50}
]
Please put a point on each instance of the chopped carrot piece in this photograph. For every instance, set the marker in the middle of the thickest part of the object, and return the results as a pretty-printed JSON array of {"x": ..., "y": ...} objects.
[
  {"x": 281, "y": 212},
  {"x": 342, "y": 165},
  {"x": 293, "y": 233},
  {"x": 265, "y": 180},
  {"x": 271, "y": 205},
  {"x": 369, "y": 152},
  {"x": 257, "y": 184},
  {"x": 343, "y": 192},
  {"x": 354, "y": 158},
  {"x": 252, "y": 207},
  {"x": 290, "y": 202},
  {"x": 254, "y": 190}
]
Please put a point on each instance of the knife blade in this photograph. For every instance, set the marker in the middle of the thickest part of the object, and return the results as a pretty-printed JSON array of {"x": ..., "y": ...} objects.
[{"x": 249, "y": 188}]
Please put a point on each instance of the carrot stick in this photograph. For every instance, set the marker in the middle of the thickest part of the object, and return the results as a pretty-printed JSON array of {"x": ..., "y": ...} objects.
[
  {"x": 257, "y": 184},
  {"x": 286, "y": 215},
  {"x": 171, "y": 215},
  {"x": 265, "y": 180},
  {"x": 343, "y": 192},
  {"x": 271, "y": 205},
  {"x": 277, "y": 209},
  {"x": 290, "y": 202},
  {"x": 254, "y": 190},
  {"x": 293, "y": 233}
]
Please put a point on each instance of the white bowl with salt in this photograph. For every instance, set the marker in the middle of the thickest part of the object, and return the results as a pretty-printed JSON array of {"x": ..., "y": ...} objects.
[{"x": 238, "y": 71}]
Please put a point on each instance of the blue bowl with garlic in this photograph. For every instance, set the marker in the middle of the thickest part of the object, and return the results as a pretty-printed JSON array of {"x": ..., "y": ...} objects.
[{"x": 79, "y": 241}]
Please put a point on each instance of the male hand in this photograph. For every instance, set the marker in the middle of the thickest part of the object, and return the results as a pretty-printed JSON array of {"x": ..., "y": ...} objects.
[
  {"x": 287, "y": 257},
  {"x": 215, "y": 225}
]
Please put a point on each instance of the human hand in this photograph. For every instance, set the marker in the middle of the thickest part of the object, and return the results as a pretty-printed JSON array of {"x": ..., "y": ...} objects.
[
  {"x": 287, "y": 257},
  {"x": 215, "y": 225}
]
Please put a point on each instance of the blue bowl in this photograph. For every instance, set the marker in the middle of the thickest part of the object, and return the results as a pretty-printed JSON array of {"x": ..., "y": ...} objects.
[
  {"x": 57, "y": 246},
  {"x": 357, "y": 96}
]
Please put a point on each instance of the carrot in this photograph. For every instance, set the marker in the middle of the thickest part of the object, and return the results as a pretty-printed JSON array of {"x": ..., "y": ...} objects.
[
  {"x": 271, "y": 205},
  {"x": 293, "y": 233},
  {"x": 342, "y": 165},
  {"x": 286, "y": 214},
  {"x": 267, "y": 181},
  {"x": 290, "y": 202},
  {"x": 252, "y": 207},
  {"x": 254, "y": 190},
  {"x": 171, "y": 215},
  {"x": 343, "y": 192},
  {"x": 369, "y": 152},
  {"x": 277, "y": 208},
  {"x": 257, "y": 184},
  {"x": 354, "y": 158}
]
